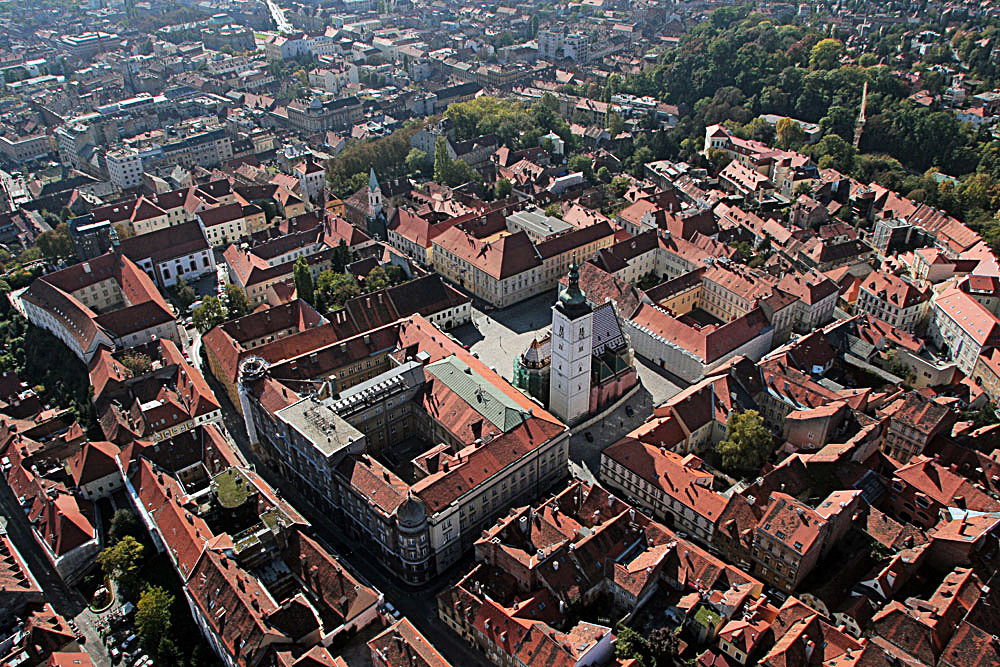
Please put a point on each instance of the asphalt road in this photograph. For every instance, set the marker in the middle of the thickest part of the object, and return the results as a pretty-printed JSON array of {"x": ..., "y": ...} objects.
[
  {"x": 64, "y": 599},
  {"x": 497, "y": 338},
  {"x": 419, "y": 605},
  {"x": 278, "y": 15}
]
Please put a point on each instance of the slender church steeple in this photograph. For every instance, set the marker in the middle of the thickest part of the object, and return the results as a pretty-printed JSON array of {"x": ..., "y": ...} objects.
[
  {"x": 374, "y": 196},
  {"x": 572, "y": 349}
]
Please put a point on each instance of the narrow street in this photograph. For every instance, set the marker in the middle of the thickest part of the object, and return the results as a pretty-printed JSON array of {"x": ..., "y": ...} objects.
[
  {"x": 64, "y": 599},
  {"x": 497, "y": 338},
  {"x": 419, "y": 605},
  {"x": 278, "y": 15}
]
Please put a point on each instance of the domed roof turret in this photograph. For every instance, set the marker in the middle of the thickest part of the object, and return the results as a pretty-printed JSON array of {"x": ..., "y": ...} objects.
[
  {"x": 411, "y": 514},
  {"x": 572, "y": 300}
]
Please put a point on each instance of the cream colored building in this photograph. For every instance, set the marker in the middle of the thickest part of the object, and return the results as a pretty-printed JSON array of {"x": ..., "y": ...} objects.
[
  {"x": 223, "y": 225},
  {"x": 508, "y": 268},
  {"x": 328, "y": 445}
]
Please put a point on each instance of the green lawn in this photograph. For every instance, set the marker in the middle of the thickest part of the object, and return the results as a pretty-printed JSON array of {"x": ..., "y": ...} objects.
[{"x": 231, "y": 489}]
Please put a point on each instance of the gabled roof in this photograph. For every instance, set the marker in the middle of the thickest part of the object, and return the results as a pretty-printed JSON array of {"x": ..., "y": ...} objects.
[
  {"x": 944, "y": 486},
  {"x": 94, "y": 461},
  {"x": 502, "y": 258},
  {"x": 895, "y": 290},
  {"x": 974, "y": 318},
  {"x": 402, "y": 645},
  {"x": 709, "y": 343},
  {"x": 792, "y": 523},
  {"x": 679, "y": 477},
  {"x": 165, "y": 244},
  {"x": 219, "y": 215}
]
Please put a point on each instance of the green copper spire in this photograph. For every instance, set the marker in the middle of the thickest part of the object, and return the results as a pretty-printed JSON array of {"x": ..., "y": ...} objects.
[{"x": 572, "y": 300}]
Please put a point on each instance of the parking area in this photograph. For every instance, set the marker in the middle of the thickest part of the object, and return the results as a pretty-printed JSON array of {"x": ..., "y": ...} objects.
[{"x": 116, "y": 629}]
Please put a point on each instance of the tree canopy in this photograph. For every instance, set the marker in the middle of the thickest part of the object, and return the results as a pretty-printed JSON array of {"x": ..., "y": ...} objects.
[
  {"x": 183, "y": 294},
  {"x": 503, "y": 188},
  {"x": 348, "y": 172},
  {"x": 302, "y": 277},
  {"x": 121, "y": 561},
  {"x": 514, "y": 124},
  {"x": 124, "y": 523},
  {"x": 137, "y": 362},
  {"x": 56, "y": 243},
  {"x": 738, "y": 66},
  {"x": 748, "y": 443},
  {"x": 209, "y": 314},
  {"x": 334, "y": 289},
  {"x": 237, "y": 304},
  {"x": 152, "y": 617},
  {"x": 826, "y": 53},
  {"x": 448, "y": 171}
]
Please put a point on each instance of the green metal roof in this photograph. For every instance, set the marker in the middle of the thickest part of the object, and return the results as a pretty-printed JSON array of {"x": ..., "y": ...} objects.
[{"x": 485, "y": 398}]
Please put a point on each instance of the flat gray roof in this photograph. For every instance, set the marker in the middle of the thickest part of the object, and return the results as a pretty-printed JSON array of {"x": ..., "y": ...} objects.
[
  {"x": 535, "y": 222},
  {"x": 320, "y": 425}
]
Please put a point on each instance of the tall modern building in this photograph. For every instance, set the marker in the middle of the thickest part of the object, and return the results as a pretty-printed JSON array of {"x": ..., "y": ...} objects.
[{"x": 572, "y": 347}]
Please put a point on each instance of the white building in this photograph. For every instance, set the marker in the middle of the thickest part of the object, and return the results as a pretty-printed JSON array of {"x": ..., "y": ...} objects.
[
  {"x": 334, "y": 78},
  {"x": 312, "y": 179},
  {"x": 572, "y": 348},
  {"x": 963, "y": 326},
  {"x": 893, "y": 299},
  {"x": 125, "y": 168},
  {"x": 577, "y": 47},
  {"x": 550, "y": 44},
  {"x": 171, "y": 254}
]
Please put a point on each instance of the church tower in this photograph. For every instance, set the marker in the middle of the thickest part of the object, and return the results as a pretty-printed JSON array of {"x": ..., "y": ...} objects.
[
  {"x": 374, "y": 196},
  {"x": 572, "y": 348}
]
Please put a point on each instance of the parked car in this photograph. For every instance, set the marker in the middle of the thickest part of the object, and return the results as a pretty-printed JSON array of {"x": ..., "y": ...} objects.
[{"x": 629, "y": 411}]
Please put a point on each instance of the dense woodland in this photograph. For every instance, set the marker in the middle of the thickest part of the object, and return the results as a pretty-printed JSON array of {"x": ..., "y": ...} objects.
[{"x": 731, "y": 71}]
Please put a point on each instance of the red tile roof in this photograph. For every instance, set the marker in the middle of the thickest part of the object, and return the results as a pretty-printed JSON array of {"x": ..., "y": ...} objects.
[
  {"x": 894, "y": 290},
  {"x": 402, "y": 645},
  {"x": 974, "y": 318},
  {"x": 501, "y": 258},
  {"x": 164, "y": 244},
  {"x": 219, "y": 215},
  {"x": 95, "y": 460},
  {"x": 708, "y": 343},
  {"x": 416, "y": 229},
  {"x": 944, "y": 486},
  {"x": 677, "y": 476},
  {"x": 792, "y": 523}
]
